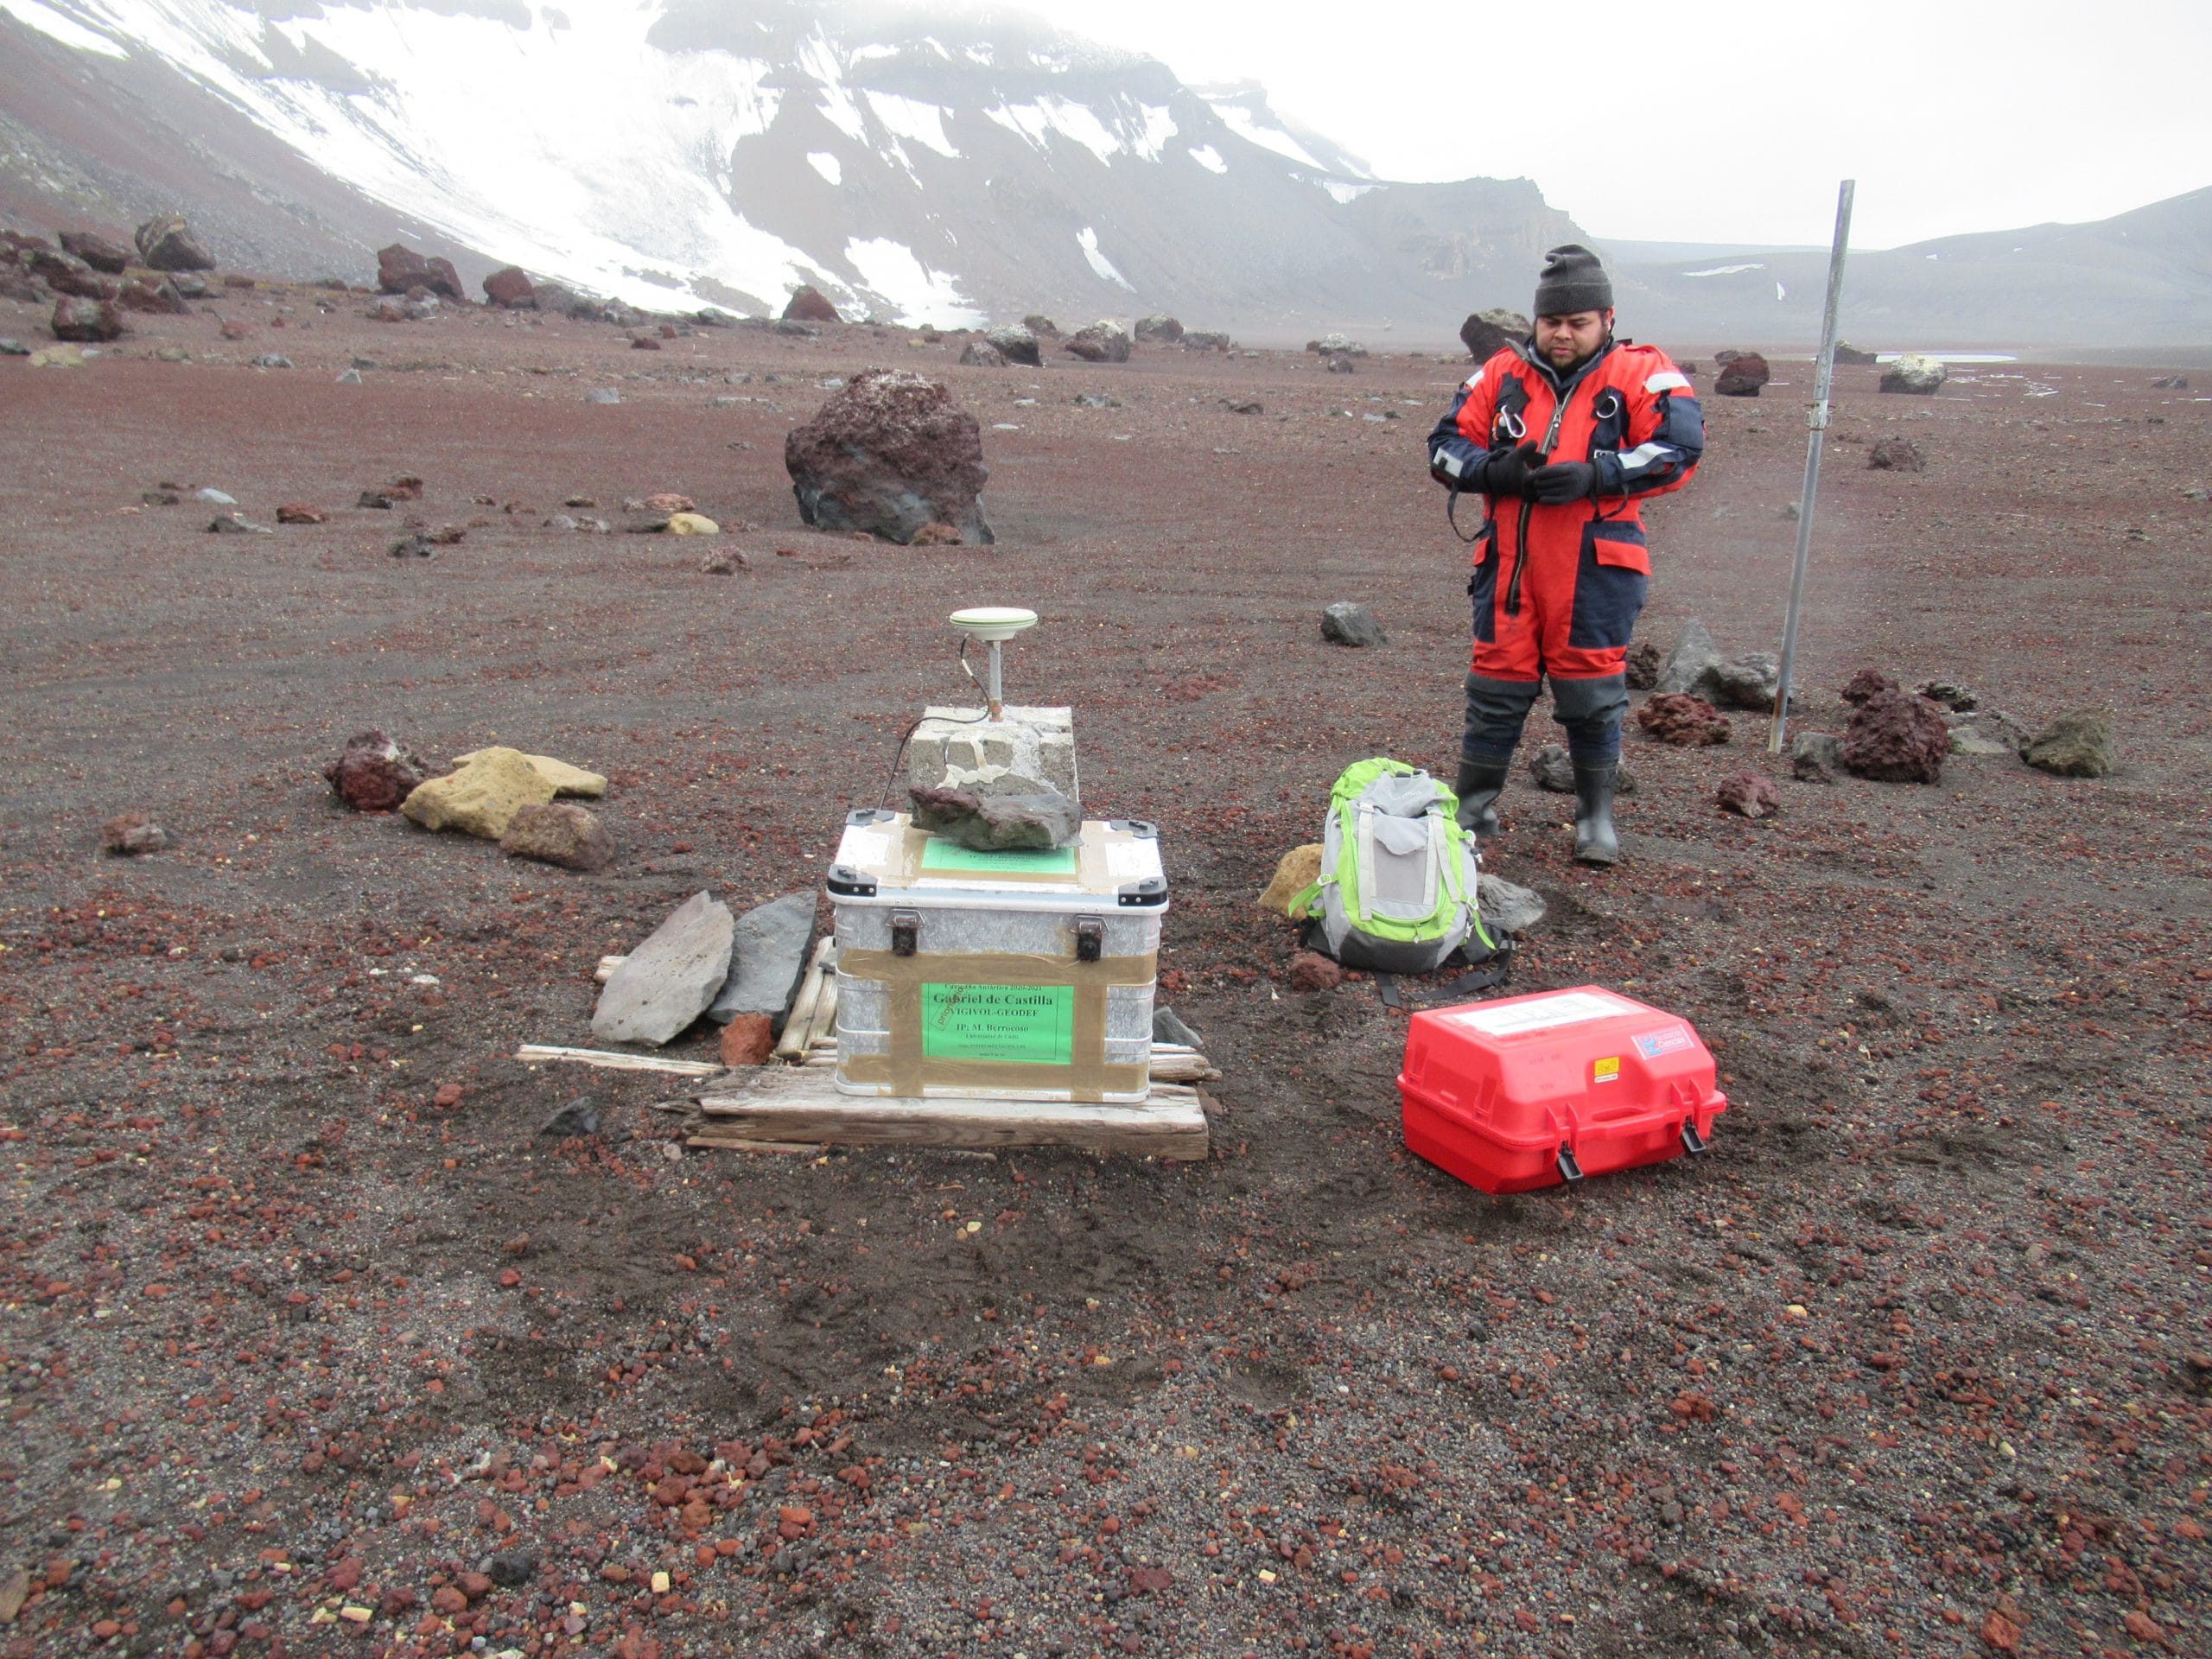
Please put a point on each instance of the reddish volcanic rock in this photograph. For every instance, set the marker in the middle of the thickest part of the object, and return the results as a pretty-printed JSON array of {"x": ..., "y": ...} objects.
[
  {"x": 1311, "y": 972},
  {"x": 889, "y": 453},
  {"x": 511, "y": 289},
  {"x": 97, "y": 252},
  {"x": 375, "y": 774},
  {"x": 1750, "y": 795},
  {"x": 86, "y": 319},
  {"x": 1743, "y": 376},
  {"x": 166, "y": 243},
  {"x": 748, "y": 1040},
  {"x": 1867, "y": 683},
  {"x": 808, "y": 305},
  {"x": 1898, "y": 738},
  {"x": 400, "y": 270},
  {"x": 1687, "y": 722}
]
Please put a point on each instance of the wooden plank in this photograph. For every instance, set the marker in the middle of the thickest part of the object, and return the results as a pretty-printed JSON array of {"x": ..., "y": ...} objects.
[
  {"x": 611, "y": 1060},
  {"x": 802, "y": 1105},
  {"x": 826, "y": 1015},
  {"x": 800, "y": 1023}
]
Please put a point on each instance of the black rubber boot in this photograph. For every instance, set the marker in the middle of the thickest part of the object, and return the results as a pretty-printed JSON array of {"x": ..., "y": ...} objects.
[
  {"x": 1480, "y": 783},
  {"x": 1594, "y": 840}
]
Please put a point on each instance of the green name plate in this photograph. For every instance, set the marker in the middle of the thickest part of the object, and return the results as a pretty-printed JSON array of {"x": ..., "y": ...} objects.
[
  {"x": 942, "y": 856},
  {"x": 1032, "y": 1024}
]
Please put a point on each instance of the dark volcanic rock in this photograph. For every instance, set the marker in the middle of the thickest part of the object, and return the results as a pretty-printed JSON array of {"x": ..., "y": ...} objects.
[
  {"x": 1644, "y": 661},
  {"x": 136, "y": 295},
  {"x": 767, "y": 959},
  {"x": 889, "y": 453},
  {"x": 1553, "y": 768},
  {"x": 1816, "y": 757},
  {"x": 1848, "y": 356},
  {"x": 67, "y": 274},
  {"x": 1486, "y": 333},
  {"x": 1158, "y": 330},
  {"x": 86, "y": 319},
  {"x": 981, "y": 354},
  {"x": 375, "y": 774},
  {"x": 1692, "y": 654},
  {"x": 558, "y": 832},
  {"x": 1962, "y": 699},
  {"x": 131, "y": 834},
  {"x": 1914, "y": 375},
  {"x": 998, "y": 824},
  {"x": 400, "y": 270},
  {"x": 1750, "y": 795},
  {"x": 1016, "y": 344},
  {"x": 1104, "y": 342},
  {"x": 809, "y": 304},
  {"x": 1867, "y": 683},
  {"x": 2078, "y": 744},
  {"x": 1896, "y": 455},
  {"x": 1746, "y": 681},
  {"x": 1206, "y": 339},
  {"x": 1347, "y": 624},
  {"x": 579, "y": 1117},
  {"x": 97, "y": 252},
  {"x": 1041, "y": 326},
  {"x": 166, "y": 243},
  {"x": 511, "y": 289},
  {"x": 1896, "y": 738},
  {"x": 1336, "y": 346},
  {"x": 2170, "y": 383},
  {"x": 1746, "y": 372},
  {"x": 1684, "y": 721}
]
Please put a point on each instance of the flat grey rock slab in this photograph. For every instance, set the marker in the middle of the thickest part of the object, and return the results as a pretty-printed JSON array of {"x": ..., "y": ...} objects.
[
  {"x": 1692, "y": 654},
  {"x": 667, "y": 982},
  {"x": 769, "y": 960},
  {"x": 1168, "y": 1027}
]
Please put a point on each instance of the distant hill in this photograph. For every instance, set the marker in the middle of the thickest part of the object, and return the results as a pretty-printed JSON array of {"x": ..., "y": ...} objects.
[{"x": 948, "y": 169}]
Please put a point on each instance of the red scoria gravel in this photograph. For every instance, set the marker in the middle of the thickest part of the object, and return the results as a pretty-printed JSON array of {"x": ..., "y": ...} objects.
[{"x": 312, "y": 1344}]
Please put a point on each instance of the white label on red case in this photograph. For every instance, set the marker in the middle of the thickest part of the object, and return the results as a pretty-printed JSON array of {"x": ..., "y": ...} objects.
[
  {"x": 1672, "y": 1041},
  {"x": 1541, "y": 1012}
]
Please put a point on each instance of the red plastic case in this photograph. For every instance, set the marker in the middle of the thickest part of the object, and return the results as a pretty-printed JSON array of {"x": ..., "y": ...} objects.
[{"x": 1531, "y": 1091}]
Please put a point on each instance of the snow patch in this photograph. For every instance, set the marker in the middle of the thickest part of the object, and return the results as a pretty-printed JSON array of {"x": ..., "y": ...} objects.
[
  {"x": 1780, "y": 292},
  {"x": 1209, "y": 158},
  {"x": 55, "y": 27},
  {"x": 1246, "y": 125},
  {"x": 826, "y": 164},
  {"x": 1036, "y": 121},
  {"x": 1159, "y": 127},
  {"x": 1344, "y": 192},
  {"x": 919, "y": 295},
  {"x": 1723, "y": 270},
  {"x": 908, "y": 117},
  {"x": 1087, "y": 239}
]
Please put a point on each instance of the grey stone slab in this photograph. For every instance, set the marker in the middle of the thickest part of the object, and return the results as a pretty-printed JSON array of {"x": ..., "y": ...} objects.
[
  {"x": 1504, "y": 907},
  {"x": 769, "y": 959},
  {"x": 1168, "y": 1027},
  {"x": 1692, "y": 654},
  {"x": 667, "y": 982}
]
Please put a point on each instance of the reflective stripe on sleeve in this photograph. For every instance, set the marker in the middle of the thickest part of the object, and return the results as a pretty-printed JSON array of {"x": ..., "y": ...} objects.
[
  {"x": 1448, "y": 461},
  {"x": 1642, "y": 455},
  {"x": 1668, "y": 380},
  {"x": 1476, "y": 379}
]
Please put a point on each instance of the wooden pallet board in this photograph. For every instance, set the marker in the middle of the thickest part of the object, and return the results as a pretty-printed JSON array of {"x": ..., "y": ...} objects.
[{"x": 801, "y": 1104}]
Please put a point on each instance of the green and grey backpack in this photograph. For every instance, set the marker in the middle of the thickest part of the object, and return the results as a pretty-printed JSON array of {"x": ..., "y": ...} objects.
[{"x": 1396, "y": 893}]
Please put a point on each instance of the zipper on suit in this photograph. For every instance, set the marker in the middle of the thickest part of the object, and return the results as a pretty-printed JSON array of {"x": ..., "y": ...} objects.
[{"x": 1520, "y": 541}]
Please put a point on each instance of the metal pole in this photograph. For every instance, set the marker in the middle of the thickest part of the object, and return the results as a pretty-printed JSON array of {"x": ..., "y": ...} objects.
[
  {"x": 1823, "y": 379},
  {"x": 997, "y": 696}
]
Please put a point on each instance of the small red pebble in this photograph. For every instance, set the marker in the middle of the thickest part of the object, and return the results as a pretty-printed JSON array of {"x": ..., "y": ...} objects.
[
  {"x": 448, "y": 1095},
  {"x": 1450, "y": 1373},
  {"x": 509, "y": 1279},
  {"x": 2001, "y": 1633}
]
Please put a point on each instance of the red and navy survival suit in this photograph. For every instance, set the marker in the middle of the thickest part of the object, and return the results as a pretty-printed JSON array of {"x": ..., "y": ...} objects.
[{"x": 1557, "y": 589}]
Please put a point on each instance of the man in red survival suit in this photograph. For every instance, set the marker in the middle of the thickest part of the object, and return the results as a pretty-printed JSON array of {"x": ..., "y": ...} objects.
[{"x": 1563, "y": 435}]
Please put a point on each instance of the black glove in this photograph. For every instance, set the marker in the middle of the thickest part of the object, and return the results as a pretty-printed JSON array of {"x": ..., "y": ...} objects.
[
  {"x": 1561, "y": 482},
  {"x": 1505, "y": 472}
]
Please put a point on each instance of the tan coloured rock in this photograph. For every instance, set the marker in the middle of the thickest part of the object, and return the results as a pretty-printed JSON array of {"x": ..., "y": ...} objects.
[
  {"x": 692, "y": 524},
  {"x": 483, "y": 797},
  {"x": 1300, "y": 869},
  {"x": 561, "y": 834},
  {"x": 565, "y": 778}
]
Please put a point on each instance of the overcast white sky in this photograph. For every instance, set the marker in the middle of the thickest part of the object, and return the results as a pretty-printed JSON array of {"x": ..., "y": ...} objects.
[{"x": 1730, "y": 120}]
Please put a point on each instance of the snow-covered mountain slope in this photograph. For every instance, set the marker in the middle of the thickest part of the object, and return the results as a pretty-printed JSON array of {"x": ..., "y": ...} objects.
[{"x": 676, "y": 152}]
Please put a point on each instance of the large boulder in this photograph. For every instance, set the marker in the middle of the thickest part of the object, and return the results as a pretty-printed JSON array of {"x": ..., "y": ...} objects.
[
  {"x": 1686, "y": 721},
  {"x": 1206, "y": 339},
  {"x": 669, "y": 980},
  {"x": 981, "y": 354},
  {"x": 1041, "y": 326},
  {"x": 511, "y": 289},
  {"x": 809, "y": 304},
  {"x": 166, "y": 243},
  {"x": 1745, "y": 373},
  {"x": 1914, "y": 375},
  {"x": 1158, "y": 330},
  {"x": 1104, "y": 342},
  {"x": 1848, "y": 356},
  {"x": 1896, "y": 738},
  {"x": 1336, "y": 346},
  {"x": 482, "y": 797},
  {"x": 1016, "y": 343},
  {"x": 97, "y": 252},
  {"x": 400, "y": 270},
  {"x": 1486, "y": 333},
  {"x": 86, "y": 319},
  {"x": 890, "y": 452},
  {"x": 2078, "y": 744},
  {"x": 374, "y": 774}
]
